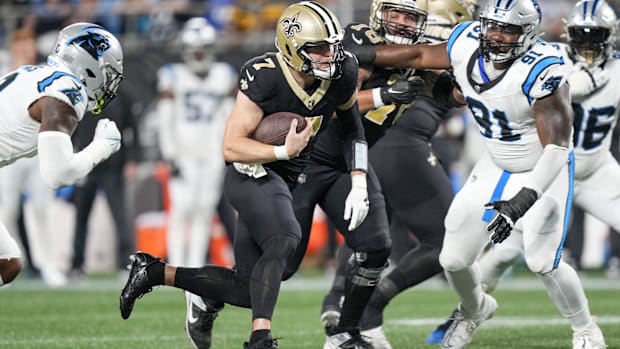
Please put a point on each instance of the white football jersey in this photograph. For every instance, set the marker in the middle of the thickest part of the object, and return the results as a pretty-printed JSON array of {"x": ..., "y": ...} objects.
[
  {"x": 503, "y": 106},
  {"x": 18, "y": 90},
  {"x": 594, "y": 118},
  {"x": 201, "y": 106}
]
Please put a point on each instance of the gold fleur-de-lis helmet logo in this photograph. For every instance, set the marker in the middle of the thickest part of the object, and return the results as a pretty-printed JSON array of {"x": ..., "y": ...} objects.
[{"x": 291, "y": 26}]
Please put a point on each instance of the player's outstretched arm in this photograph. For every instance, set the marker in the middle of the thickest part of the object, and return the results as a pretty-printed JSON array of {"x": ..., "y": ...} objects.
[
  {"x": 420, "y": 56},
  {"x": 59, "y": 166}
]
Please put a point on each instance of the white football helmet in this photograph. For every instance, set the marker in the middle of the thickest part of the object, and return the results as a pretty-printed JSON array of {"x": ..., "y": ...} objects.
[
  {"x": 198, "y": 38},
  {"x": 94, "y": 56},
  {"x": 392, "y": 31},
  {"x": 591, "y": 31},
  {"x": 514, "y": 17}
]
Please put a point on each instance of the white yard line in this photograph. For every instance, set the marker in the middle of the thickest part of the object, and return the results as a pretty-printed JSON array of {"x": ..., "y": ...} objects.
[{"x": 506, "y": 321}]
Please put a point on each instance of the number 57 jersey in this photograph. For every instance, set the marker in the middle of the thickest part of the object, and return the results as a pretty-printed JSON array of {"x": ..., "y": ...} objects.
[{"x": 503, "y": 106}]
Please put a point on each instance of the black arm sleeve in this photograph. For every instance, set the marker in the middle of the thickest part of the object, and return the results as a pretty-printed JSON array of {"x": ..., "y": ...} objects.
[
  {"x": 365, "y": 54},
  {"x": 351, "y": 130}
]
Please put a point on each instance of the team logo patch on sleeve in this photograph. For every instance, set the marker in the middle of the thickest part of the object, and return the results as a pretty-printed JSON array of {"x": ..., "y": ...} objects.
[
  {"x": 552, "y": 83},
  {"x": 73, "y": 94}
]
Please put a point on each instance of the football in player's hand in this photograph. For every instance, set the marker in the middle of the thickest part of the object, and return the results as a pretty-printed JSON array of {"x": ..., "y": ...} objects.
[{"x": 274, "y": 127}]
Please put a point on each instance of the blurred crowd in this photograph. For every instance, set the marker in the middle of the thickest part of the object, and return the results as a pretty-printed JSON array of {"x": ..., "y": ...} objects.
[{"x": 133, "y": 181}]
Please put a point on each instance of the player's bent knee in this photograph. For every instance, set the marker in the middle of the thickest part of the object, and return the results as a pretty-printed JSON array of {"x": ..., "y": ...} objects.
[
  {"x": 9, "y": 269},
  {"x": 365, "y": 268},
  {"x": 450, "y": 262},
  {"x": 538, "y": 265},
  {"x": 280, "y": 246}
]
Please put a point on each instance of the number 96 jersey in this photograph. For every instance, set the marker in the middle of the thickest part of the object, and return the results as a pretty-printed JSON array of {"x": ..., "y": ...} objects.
[
  {"x": 502, "y": 107},
  {"x": 594, "y": 117}
]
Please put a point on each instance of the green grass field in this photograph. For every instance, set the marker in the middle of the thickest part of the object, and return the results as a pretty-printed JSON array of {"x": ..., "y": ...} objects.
[{"x": 88, "y": 317}]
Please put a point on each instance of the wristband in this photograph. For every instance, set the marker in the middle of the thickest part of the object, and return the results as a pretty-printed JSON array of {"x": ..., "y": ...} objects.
[
  {"x": 360, "y": 156},
  {"x": 377, "y": 101},
  {"x": 359, "y": 182},
  {"x": 280, "y": 152}
]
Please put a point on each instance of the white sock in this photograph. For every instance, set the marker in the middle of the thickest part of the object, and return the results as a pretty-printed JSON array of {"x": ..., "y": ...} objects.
[
  {"x": 467, "y": 285},
  {"x": 566, "y": 292},
  {"x": 1, "y": 281}
]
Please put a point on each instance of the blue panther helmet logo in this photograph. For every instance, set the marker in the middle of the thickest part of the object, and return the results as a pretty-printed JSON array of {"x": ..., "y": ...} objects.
[{"x": 95, "y": 44}]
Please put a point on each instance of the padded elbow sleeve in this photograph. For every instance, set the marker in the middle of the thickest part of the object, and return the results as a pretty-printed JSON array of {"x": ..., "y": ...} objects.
[
  {"x": 547, "y": 168},
  {"x": 58, "y": 164}
]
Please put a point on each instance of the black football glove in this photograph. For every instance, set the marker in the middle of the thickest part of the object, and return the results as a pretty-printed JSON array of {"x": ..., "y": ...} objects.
[
  {"x": 442, "y": 90},
  {"x": 508, "y": 212},
  {"x": 402, "y": 91},
  {"x": 175, "y": 171}
]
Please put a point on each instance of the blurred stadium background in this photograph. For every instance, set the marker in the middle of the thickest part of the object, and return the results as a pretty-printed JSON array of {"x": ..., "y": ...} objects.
[{"x": 84, "y": 314}]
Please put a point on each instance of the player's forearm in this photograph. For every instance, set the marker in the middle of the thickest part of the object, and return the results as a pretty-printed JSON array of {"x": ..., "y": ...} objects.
[
  {"x": 420, "y": 56},
  {"x": 247, "y": 150},
  {"x": 365, "y": 101},
  {"x": 59, "y": 166}
]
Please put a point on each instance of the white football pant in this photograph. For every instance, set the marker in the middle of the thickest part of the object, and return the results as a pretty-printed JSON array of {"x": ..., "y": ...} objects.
[
  {"x": 194, "y": 196},
  {"x": 542, "y": 230}
]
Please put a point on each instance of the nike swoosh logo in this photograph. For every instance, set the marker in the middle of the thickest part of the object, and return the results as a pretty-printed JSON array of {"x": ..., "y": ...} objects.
[
  {"x": 390, "y": 90},
  {"x": 190, "y": 314},
  {"x": 356, "y": 39},
  {"x": 542, "y": 78},
  {"x": 250, "y": 76}
]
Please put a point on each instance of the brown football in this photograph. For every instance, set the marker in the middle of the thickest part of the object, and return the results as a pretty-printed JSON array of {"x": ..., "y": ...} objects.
[{"x": 274, "y": 127}]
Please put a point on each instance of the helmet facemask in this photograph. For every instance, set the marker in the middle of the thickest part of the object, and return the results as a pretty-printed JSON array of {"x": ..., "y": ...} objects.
[
  {"x": 389, "y": 18},
  {"x": 107, "y": 92},
  {"x": 329, "y": 70},
  {"x": 590, "y": 45},
  {"x": 500, "y": 52}
]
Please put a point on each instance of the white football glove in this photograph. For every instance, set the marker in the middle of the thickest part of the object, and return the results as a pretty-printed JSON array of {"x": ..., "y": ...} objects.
[
  {"x": 108, "y": 135},
  {"x": 587, "y": 80},
  {"x": 356, "y": 205}
]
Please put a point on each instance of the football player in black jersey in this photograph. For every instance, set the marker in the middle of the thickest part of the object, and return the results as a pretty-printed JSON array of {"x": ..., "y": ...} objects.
[
  {"x": 403, "y": 153},
  {"x": 312, "y": 76},
  {"x": 384, "y": 95}
]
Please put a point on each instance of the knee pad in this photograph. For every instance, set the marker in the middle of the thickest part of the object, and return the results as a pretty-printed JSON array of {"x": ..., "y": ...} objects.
[
  {"x": 365, "y": 267},
  {"x": 280, "y": 246},
  {"x": 539, "y": 265},
  {"x": 450, "y": 262}
]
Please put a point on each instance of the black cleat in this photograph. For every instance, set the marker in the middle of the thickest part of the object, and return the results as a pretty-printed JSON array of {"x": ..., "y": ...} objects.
[
  {"x": 199, "y": 322},
  {"x": 346, "y": 340},
  {"x": 263, "y": 344},
  {"x": 138, "y": 282}
]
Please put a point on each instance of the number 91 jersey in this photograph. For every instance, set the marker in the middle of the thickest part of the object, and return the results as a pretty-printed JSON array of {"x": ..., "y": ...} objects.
[
  {"x": 503, "y": 107},
  {"x": 594, "y": 117}
]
